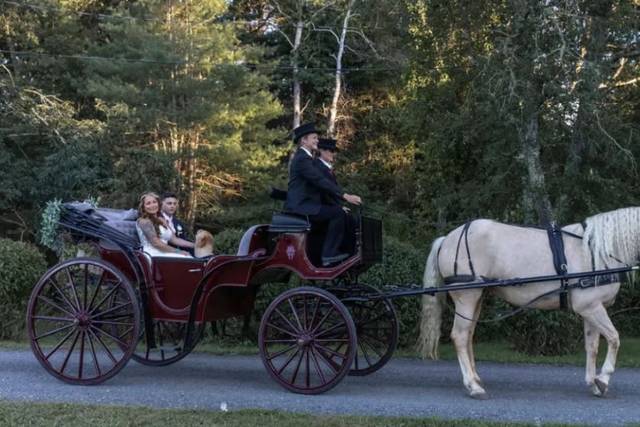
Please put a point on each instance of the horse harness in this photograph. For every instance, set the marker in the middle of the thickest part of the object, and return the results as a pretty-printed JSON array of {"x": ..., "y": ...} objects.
[{"x": 556, "y": 245}]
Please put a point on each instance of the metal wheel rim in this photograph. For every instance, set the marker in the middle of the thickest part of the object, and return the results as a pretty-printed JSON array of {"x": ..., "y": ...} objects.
[
  {"x": 71, "y": 324},
  {"x": 298, "y": 346},
  {"x": 375, "y": 345}
]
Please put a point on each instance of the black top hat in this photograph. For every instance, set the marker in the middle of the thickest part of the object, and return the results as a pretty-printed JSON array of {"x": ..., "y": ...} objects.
[
  {"x": 302, "y": 130},
  {"x": 327, "y": 144}
]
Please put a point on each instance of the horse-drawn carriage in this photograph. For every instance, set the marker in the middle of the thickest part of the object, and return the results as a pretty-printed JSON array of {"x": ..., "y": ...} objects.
[{"x": 88, "y": 316}]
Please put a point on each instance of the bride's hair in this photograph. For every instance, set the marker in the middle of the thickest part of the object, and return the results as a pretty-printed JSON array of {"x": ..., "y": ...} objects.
[{"x": 142, "y": 213}]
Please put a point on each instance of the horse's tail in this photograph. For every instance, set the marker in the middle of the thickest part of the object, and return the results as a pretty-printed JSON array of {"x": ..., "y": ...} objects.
[{"x": 431, "y": 320}]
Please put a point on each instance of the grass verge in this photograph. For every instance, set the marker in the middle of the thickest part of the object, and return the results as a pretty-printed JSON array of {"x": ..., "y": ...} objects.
[
  {"x": 498, "y": 351},
  {"x": 56, "y": 414}
]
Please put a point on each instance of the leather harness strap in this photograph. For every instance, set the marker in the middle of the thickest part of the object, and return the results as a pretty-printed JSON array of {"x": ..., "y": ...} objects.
[{"x": 559, "y": 260}]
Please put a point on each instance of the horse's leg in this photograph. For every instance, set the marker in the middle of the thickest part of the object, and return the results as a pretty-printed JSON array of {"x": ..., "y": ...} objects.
[
  {"x": 472, "y": 331},
  {"x": 466, "y": 303},
  {"x": 600, "y": 320},
  {"x": 591, "y": 343}
]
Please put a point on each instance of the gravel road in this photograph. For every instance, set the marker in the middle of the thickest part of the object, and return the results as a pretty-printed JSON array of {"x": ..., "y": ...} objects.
[{"x": 404, "y": 387}]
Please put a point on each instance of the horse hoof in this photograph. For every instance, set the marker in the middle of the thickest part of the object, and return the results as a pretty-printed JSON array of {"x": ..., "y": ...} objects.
[
  {"x": 602, "y": 388},
  {"x": 479, "y": 395}
]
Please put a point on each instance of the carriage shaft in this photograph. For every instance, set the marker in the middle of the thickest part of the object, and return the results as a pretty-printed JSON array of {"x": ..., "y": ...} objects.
[{"x": 517, "y": 281}]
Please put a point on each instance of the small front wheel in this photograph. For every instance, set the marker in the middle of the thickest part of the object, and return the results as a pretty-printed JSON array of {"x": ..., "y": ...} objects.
[{"x": 307, "y": 340}]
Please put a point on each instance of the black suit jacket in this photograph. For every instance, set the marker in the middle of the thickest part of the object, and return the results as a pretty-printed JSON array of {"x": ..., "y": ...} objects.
[
  {"x": 328, "y": 199},
  {"x": 181, "y": 229},
  {"x": 307, "y": 185}
]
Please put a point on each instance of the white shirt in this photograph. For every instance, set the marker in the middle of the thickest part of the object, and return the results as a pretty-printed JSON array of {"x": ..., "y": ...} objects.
[
  {"x": 327, "y": 164},
  {"x": 307, "y": 151},
  {"x": 169, "y": 220}
]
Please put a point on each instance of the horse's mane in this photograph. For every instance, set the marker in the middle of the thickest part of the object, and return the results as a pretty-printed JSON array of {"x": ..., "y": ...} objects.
[{"x": 612, "y": 236}]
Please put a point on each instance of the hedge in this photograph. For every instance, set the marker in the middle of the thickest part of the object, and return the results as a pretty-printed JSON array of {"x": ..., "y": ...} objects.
[{"x": 21, "y": 265}]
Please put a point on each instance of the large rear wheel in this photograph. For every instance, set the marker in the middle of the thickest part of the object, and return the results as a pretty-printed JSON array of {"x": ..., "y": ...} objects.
[
  {"x": 83, "y": 321},
  {"x": 307, "y": 340}
]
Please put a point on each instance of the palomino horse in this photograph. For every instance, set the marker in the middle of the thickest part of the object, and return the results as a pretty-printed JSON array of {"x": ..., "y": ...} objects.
[{"x": 501, "y": 251}]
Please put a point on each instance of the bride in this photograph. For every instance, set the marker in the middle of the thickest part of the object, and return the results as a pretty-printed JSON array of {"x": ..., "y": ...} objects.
[{"x": 153, "y": 232}]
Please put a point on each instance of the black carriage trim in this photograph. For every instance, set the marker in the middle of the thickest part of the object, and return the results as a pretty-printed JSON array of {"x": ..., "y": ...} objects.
[{"x": 83, "y": 220}]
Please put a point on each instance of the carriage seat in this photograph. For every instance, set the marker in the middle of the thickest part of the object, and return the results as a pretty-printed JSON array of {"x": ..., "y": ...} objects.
[
  {"x": 245, "y": 243},
  {"x": 122, "y": 220},
  {"x": 287, "y": 222}
]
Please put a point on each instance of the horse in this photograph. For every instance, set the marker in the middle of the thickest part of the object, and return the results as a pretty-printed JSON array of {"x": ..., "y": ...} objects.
[{"x": 485, "y": 249}]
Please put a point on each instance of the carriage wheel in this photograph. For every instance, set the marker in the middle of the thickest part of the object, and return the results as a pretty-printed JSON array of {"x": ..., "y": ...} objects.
[
  {"x": 377, "y": 329},
  {"x": 83, "y": 321},
  {"x": 170, "y": 343},
  {"x": 307, "y": 340}
]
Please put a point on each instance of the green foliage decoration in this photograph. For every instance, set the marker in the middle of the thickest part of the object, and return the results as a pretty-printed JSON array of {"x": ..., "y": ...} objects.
[
  {"x": 49, "y": 225},
  {"x": 21, "y": 264}
]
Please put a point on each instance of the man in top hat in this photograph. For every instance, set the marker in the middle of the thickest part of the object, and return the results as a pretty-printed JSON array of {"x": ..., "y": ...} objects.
[
  {"x": 308, "y": 185},
  {"x": 327, "y": 149}
]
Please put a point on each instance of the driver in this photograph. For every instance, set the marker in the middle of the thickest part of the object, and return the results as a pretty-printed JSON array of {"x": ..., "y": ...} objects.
[{"x": 308, "y": 185}]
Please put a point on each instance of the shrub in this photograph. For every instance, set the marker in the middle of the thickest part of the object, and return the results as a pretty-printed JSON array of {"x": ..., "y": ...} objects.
[
  {"x": 545, "y": 333},
  {"x": 21, "y": 265},
  {"x": 402, "y": 264},
  {"x": 227, "y": 241}
]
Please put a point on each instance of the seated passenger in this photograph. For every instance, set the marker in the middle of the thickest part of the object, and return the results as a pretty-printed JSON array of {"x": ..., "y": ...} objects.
[
  {"x": 154, "y": 232},
  {"x": 168, "y": 208}
]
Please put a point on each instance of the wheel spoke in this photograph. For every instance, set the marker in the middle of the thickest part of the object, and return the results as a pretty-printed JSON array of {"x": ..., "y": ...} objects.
[
  {"x": 308, "y": 371},
  {"x": 296, "y": 330},
  {"x": 113, "y": 359},
  {"x": 86, "y": 279},
  {"x": 73, "y": 287},
  {"x": 80, "y": 366},
  {"x": 54, "y": 305},
  {"x": 364, "y": 351},
  {"x": 295, "y": 314},
  {"x": 113, "y": 338},
  {"x": 108, "y": 322},
  {"x": 295, "y": 371},
  {"x": 66, "y": 337},
  {"x": 96, "y": 292},
  {"x": 125, "y": 332},
  {"x": 55, "y": 331},
  {"x": 333, "y": 328},
  {"x": 112, "y": 309},
  {"x": 317, "y": 365},
  {"x": 54, "y": 318},
  {"x": 372, "y": 347},
  {"x": 93, "y": 353},
  {"x": 279, "y": 341},
  {"x": 281, "y": 352},
  {"x": 282, "y": 330},
  {"x": 324, "y": 318},
  {"x": 66, "y": 359},
  {"x": 111, "y": 292},
  {"x": 330, "y": 363},
  {"x": 313, "y": 316},
  {"x": 62, "y": 295},
  {"x": 332, "y": 352},
  {"x": 283, "y": 367}
]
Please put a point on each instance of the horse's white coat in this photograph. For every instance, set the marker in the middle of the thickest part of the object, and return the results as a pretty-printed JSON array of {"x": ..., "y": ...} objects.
[{"x": 501, "y": 251}]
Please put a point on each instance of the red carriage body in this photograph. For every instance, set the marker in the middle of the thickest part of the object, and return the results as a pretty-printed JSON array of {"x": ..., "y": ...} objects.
[{"x": 127, "y": 304}]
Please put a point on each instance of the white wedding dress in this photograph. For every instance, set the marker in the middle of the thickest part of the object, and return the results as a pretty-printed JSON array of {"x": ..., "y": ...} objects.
[{"x": 165, "y": 236}]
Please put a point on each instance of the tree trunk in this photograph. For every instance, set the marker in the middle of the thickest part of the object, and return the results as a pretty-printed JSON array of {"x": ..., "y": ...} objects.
[
  {"x": 297, "y": 92},
  {"x": 338, "y": 79},
  {"x": 587, "y": 81},
  {"x": 535, "y": 197}
]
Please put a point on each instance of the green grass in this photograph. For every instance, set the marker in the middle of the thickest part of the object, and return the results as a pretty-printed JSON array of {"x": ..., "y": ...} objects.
[
  {"x": 628, "y": 356},
  {"x": 50, "y": 414}
]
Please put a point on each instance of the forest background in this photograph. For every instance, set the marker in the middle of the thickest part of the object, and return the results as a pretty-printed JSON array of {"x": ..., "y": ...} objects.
[{"x": 445, "y": 110}]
